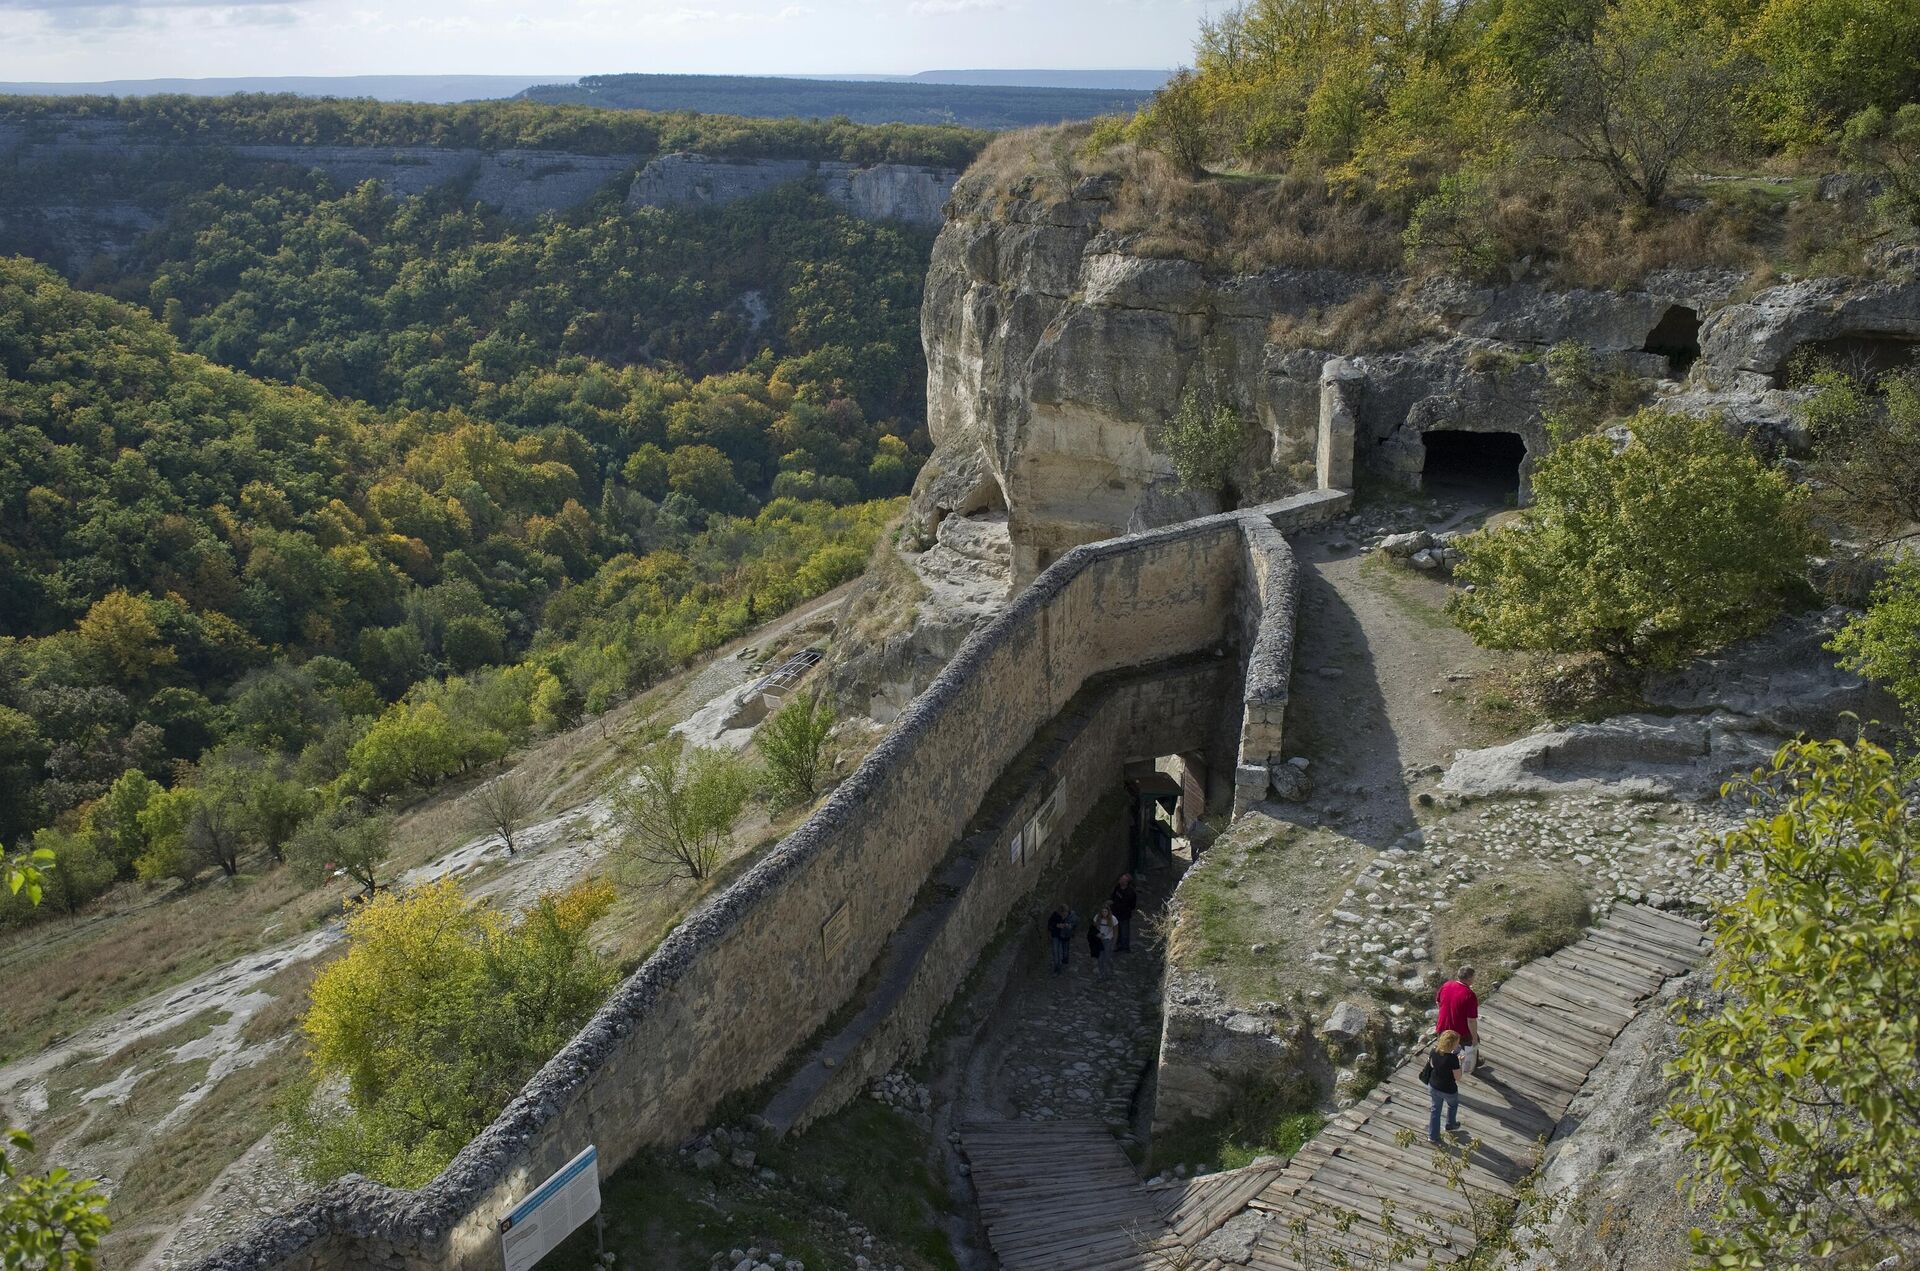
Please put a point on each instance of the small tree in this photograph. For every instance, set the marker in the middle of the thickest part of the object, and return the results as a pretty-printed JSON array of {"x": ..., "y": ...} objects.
[
  {"x": 343, "y": 839},
  {"x": 679, "y": 808},
  {"x": 1451, "y": 229},
  {"x": 1203, "y": 439},
  {"x": 1672, "y": 541},
  {"x": 1178, "y": 123},
  {"x": 1890, "y": 146},
  {"x": 1883, "y": 644},
  {"x": 1866, "y": 449},
  {"x": 1800, "y": 1083},
  {"x": 436, "y": 1015},
  {"x": 503, "y": 806},
  {"x": 1646, "y": 93},
  {"x": 793, "y": 743}
]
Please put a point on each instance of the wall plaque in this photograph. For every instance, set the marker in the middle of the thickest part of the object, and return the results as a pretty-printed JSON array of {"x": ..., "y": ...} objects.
[{"x": 836, "y": 931}]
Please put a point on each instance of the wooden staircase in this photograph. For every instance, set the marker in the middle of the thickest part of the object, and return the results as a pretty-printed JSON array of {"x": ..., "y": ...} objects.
[{"x": 1062, "y": 1196}]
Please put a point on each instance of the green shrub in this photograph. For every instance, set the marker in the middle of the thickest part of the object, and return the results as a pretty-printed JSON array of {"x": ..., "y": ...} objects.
[{"x": 1675, "y": 540}]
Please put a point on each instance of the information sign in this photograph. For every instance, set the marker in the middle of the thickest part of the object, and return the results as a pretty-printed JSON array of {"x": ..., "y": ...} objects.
[{"x": 541, "y": 1221}]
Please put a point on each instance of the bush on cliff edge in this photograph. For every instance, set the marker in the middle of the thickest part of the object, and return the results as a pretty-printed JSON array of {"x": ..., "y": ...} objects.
[{"x": 1647, "y": 543}]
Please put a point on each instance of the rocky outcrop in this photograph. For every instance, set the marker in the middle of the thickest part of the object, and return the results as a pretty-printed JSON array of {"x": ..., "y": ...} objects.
[
  {"x": 876, "y": 192},
  {"x": 1731, "y": 710},
  {"x": 1213, "y": 1054},
  {"x": 1646, "y": 756},
  {"x": 1057, "y": 349},
  {"x": 518, "y": 182}
]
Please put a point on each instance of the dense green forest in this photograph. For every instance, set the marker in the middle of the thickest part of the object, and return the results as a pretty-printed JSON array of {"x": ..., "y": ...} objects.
[
  {"x": 863, "y": 101},
  {"x": 336, "y": 495},
  {"x": 285, "y": 119}
]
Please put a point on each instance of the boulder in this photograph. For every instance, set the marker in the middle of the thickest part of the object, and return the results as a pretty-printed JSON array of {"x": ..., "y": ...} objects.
[
  {"x": 1405, "y": 546},
  {"x": 1347, "y": 1022},
  {"x": 1289, "y": 782}
]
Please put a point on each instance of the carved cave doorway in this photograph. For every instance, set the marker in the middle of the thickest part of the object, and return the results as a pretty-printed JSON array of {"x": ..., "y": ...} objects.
[
  {"x": 1478, "y": 465},
  {"x": 1676, "y": 337}
]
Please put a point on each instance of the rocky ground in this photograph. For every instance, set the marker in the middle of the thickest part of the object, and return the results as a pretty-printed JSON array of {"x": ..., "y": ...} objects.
[
  {"x": 1075, "y": 1046},
  {"x": 1382, "y": 932}
]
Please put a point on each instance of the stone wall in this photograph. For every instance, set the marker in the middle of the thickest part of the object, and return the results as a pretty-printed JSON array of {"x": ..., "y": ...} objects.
[
  {"x": 878, "y": 192},
  {"x": 1142, "y": 717},
  {"x": 718, "y": 1006}
]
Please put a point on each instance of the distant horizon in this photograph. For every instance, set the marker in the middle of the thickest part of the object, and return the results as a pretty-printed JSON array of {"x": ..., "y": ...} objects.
[
  {"x": 115, "y": 41},
  {"x": 459, "y": 86}
]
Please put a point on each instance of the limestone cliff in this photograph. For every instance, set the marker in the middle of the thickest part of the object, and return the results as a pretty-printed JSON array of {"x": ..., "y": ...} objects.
[
  {"x": 1057, "y": 348},
  {"x": 876, "y": 192},
  {"x": 115, "y": 185}
]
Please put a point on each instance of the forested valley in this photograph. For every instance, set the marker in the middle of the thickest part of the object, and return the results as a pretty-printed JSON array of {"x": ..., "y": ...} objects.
[{"x": 331, "y": 496}]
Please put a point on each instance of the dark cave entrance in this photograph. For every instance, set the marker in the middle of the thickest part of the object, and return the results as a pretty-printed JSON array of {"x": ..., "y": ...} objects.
[
  {"x": 1676, "y": 337},
  {"x": 1481, "y": 465}
]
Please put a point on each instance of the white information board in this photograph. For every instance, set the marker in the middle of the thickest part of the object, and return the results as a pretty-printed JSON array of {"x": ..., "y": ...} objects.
[{"x": 547, "y": 1217}]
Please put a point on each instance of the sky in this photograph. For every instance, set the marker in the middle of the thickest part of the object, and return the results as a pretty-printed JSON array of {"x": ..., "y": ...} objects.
[{"x": 137, "y": 39}]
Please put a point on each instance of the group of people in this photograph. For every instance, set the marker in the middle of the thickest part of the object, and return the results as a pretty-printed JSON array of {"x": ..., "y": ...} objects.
[
  {"x": 1108, "y": 935},
  {"x": 1456, "y": 1046},
  {"x": 1456, "y": 1050}
]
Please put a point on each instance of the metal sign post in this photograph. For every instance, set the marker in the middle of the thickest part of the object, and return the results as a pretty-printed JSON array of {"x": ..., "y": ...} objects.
[{"x": 539, "y": 1223}]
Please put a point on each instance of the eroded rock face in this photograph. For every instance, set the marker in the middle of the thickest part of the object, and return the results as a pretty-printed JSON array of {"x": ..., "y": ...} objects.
[
  {"x": 879, "y": 192},
  {"x": 1056, "y": 352},
  {"x": 1056, "y": 357}
]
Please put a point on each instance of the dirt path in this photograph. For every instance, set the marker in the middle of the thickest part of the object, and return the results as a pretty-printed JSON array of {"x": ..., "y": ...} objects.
[{"x": 1375, "y": 703}]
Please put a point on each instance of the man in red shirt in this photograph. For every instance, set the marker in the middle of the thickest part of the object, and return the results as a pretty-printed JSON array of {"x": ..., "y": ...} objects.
[{"x": 1460, "y": 1008}]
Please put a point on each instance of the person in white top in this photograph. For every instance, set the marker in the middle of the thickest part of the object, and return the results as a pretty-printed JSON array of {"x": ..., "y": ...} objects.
[{"x": 1102, "y": 938}]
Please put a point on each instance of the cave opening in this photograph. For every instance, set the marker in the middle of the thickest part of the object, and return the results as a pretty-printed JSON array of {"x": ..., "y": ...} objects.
[
  {"x": 1676, "y": 337},
  {"x": 1480, "y": 465}
]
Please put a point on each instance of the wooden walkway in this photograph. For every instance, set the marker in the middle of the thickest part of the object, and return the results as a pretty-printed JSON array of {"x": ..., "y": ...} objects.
[{"x": 1063, "y": 1197}]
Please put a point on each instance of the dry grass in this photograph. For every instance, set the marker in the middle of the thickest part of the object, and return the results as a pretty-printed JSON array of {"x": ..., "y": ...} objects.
[
  {"x": 885, "y": 601},
  {"x": 1033, "y": 163},
  {"x": 1246, "y": 222},
  {"x": 1541, "y": 218},
  {"x": 137, "y": 942},
  {"x": 1500, "y": 924},
  {"x": 165, "y": 1178},
  {"x": 1375, "y": 321}
]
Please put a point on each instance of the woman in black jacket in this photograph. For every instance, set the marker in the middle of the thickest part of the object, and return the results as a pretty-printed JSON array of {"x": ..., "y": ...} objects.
[{"x": 1443, "y": 1071}]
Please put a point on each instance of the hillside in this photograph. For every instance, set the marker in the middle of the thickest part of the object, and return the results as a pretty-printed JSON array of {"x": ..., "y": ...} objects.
[
  {"x": 1006, "y": 103},
  {"x": 219, "y": 582}
]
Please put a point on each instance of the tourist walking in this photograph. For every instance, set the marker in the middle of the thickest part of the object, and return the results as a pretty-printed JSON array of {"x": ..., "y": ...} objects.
[
  {"x": 1440, "y": 1071},
  {"x": 1125, "y": 901},
  {"x": 1460, "y": 1014},
  {"x": 1100, "y": 938},
  {"x": 1060, "y": 925}
]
